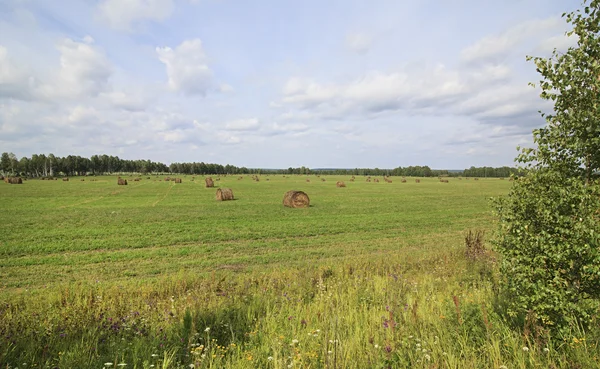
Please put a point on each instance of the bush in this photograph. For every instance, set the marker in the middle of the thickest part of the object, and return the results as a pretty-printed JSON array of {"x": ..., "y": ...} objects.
[{"x": 549, "y": 240}]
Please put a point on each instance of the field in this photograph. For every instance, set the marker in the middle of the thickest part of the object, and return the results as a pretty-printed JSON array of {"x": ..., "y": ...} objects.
[{"x": 159, "y": 274}]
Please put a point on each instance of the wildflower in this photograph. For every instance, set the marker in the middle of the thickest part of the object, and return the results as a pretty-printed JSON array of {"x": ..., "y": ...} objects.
[
  {"x": 295, "y": 341},
  {"x": 376, "y": 346},
  {"x": 122, "y": 364},
  {"x": 108, "y": 364},
  {"x": 192, "y": 366},
  {"x": 546, "y": 349},
  {"x": 207, "y": 329},
  {"x": 427, "y": 357},
  {"x": 525, "y": 348},
  {"x": 329, "y": 352},
  {"x": 153, "y": 355},
  {"x": 270, "y": 358},
  {"x": 502, "y": 367}
]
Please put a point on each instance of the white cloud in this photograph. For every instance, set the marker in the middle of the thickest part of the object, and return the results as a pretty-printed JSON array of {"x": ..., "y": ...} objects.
[
  {"x": 84, "y": 71},
  {"x": 496, "y": 48},
  {"x": 127, "y": 101},
  {"x": 358, "y": 42},
  {"x": 81, "y": 114},
  {"x": 186, "y": 67},
  {"x": 251, "y": 124},
  {"x": 15, "y": 81},
  {"x": 124, "y": 14}
]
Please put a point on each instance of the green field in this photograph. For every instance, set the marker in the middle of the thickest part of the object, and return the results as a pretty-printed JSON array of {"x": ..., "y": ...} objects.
[
  {"x": 52, "y": 231},
  {"x": 370, "y": 276}
]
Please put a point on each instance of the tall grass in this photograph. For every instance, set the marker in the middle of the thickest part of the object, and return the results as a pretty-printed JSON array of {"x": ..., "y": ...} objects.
[{"x": 424, "y": 311}]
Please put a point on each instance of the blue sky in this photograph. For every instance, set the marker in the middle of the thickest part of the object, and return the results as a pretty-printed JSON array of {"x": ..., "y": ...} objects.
[{"x": 276, "y": 83}]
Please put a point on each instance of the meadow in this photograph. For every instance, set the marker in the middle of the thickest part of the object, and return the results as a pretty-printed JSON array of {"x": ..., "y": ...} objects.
[{"x": 159, "y": 274}]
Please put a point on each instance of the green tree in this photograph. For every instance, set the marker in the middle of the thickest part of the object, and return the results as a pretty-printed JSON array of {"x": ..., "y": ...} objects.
[
  {"x": 5, "y": 162},
  {"x": 549, "y": 235}
]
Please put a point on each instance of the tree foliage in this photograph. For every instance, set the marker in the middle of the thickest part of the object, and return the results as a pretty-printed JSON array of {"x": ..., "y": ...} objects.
[{"x": 549, "y": 222}]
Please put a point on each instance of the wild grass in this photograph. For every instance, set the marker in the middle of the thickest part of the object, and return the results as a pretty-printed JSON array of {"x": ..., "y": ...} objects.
[{"x": 161, "y": 275}]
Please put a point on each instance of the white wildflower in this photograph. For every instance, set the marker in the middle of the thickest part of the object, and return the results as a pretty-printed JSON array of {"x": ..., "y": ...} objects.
[
  {"x": 525, "y": 348},
  {"x": 207, "y": 329}
]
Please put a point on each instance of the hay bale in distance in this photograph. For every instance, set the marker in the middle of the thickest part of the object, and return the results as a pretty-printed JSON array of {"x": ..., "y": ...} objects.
[
  {"x": 224, "y": 194},
  {"x": 178, "y": 180},
  {"x": 15, "y": 180},
  {"x": 417, "y": 181},
  {"x": 296, "y": 199},
  {"x": 340, "y": 184},
  {"x": 209, "y": 182},
  {"x": 403, "y": 180},
  {"x": 121, "y": 182},
  {"x": 65, "y": 179}
]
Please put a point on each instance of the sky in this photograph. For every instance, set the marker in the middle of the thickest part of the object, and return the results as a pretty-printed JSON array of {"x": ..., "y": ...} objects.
[{"x": 277, "y": 84}]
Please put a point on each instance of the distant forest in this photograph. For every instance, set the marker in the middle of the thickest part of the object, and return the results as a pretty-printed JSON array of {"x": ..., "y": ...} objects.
[{"x": 41, "y": 165}]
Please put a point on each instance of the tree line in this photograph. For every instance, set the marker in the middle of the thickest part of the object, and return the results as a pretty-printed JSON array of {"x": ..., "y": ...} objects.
[{"x": 42, "y": 165}]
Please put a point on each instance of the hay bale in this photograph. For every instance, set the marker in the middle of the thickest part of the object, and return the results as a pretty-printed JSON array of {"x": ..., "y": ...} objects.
[
  {"x": 82, "y": 180},
  {"x": 209, "y": 182},
  {"x": 296, "y": 199},
  {"x": 443, "y": 180},
  {"x": 121, "y": 182},
  {"x": 417, "y": 181},
  {"x": 307, "y": 180},
  {"x": 322, "y": 179},
  {"x": 65, "y": 179},
  {"x": 177, "y": 180},
  {"x": 402, "y": 180},
  {"x": 476, "y": 179},
  {"x": 15, "y": 180},
  {"x": 340, "y": 184},
  {"x": 224, "y": 194}
]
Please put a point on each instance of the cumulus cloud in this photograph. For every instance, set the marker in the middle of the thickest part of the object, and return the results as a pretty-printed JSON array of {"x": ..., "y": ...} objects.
[
  {"x": 84, "y": 71},
  {"x": 187, "y": 68},
  {"x": 251, "y": 124},
  {"x": 437, "y": 87},
  {"x": 16, "y": 82},
  {"x": 126, "y": 14}
]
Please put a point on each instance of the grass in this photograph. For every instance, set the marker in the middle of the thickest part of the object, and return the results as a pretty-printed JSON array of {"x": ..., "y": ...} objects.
[{"x": 370, "y": 276}]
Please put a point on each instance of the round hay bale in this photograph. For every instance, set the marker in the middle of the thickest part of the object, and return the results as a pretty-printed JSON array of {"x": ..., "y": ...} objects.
[
  {"x": 82, "y": 180},
  {"x": 340, "y": 184},
  {"x": 224, "y": 194},
  {"x": 121, "y": 182},
  {"x": 402, "y": 180},
  {"x": 15, "y": 180},
  {"x": 209, "y": 182},
  {"x": 417, "y": 181},
  {"x": 296, "y": 199},
  {"x": 177, "y": 180},
  {"x": 65, "y": 179}
]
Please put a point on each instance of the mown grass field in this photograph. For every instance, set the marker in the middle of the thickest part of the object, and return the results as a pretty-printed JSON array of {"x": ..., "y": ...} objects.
[
  {"x": 159, "y": 274},
  {"x": 53, "y": 230}
]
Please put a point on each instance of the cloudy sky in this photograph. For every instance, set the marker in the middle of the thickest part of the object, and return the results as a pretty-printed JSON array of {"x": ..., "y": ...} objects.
[{"x": 273, "y": 84}]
